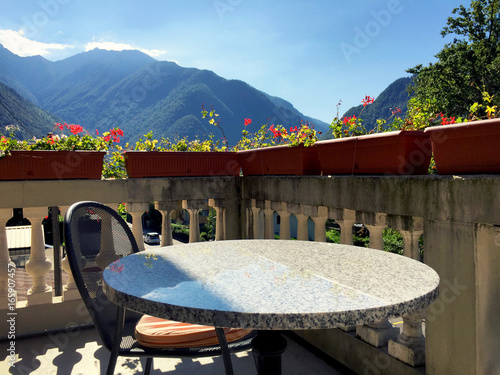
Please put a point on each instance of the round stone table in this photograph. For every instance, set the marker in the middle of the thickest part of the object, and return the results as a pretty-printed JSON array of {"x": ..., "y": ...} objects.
[{"x": 270, "y": 285}]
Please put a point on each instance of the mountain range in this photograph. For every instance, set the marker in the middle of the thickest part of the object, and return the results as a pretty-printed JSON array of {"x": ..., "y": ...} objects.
[{"x": 102, "y": 89}]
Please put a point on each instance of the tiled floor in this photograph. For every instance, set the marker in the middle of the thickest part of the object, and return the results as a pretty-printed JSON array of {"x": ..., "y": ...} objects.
[{"x": 82, "y": 354}]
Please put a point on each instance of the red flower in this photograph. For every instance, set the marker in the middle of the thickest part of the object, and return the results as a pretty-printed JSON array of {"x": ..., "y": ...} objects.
[
  {"x": 97, "y": 132},
  {"x": 367, "y": 100},
  {"x": 447, "y": 121},
  {"x": 75, "y": 129},
  {"x": 248, "y": 121}
]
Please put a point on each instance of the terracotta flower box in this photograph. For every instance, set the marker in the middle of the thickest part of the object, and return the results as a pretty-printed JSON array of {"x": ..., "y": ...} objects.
[
  {"x": 142, "y": 164},
  {"x": 51, "y": 165},
  {"x": 280, "y": 160},
  {"x": 398, "y": 153},
  {"x": 471, "y": 147}
]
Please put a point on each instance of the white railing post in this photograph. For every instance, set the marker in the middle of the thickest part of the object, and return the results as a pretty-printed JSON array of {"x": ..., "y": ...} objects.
[
  {"x": 345, "y": 218},
  {"x": 256, "y": 220},
  {"x": 302, "y": 216},
  {"x": 5, "y": 262},
  {"x": 320, "y": 223},
  {"x": 193, "y": 207},
  {"x": 166, "y": 208},
  {"x": 380, "y": 332},
  {"x": 70, "y": 291},
  {"x": 409, "y": 346},
  {"x": 136, "y": 210},
  {"x": 284, "y": 221},
  {"x": 269, "y": 221},
  {"x": 38, "y": 266}
]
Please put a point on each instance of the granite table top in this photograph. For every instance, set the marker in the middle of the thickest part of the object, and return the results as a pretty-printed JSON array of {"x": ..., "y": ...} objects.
[{"x": 270, "y": 284}]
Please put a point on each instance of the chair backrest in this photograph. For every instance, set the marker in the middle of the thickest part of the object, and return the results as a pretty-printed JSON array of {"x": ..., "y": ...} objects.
[{"x": 95, "y": 237}]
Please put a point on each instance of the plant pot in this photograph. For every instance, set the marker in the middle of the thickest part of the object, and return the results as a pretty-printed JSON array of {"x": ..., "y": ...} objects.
[
  {"x": 280, "y": 160},
  {"x": 51, "y": 165},
  {"x": 398, "y": 153},
  {"x": 143, "y": 164},
  {"x": 470, "y": 147}
]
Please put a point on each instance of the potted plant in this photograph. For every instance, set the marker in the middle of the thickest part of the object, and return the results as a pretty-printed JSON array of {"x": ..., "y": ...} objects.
[
  {"x": 183, "y": 158},
  {"x": 78, "y": 155},
  {"x": 398, "y": 148},
  {"x": 468, "y": 145},
  {"x": 275, "y": 150}
]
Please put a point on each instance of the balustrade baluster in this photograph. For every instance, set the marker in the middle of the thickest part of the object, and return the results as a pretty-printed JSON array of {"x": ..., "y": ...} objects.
[
  {"x": 38, "y": 265},
  {"x": 193, "y": 207},
  {"x": 220, "y": 220},
  {"x": 380, "y": 332},
  {"x": 166, "y": 208},
  {"x": 284, "y": 222},
  {"x": 320, "y": 223},
  {"x": 269, "y": 221},
  {"x": 5, "y": 215},
  {"x": 409, "y": 346},
  {"x": 136, "y": 210},
  {"x": 257, "y": 220}
]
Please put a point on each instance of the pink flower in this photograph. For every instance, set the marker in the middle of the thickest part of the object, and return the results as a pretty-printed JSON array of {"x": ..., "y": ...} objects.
[{"x": 248, "y": 121}]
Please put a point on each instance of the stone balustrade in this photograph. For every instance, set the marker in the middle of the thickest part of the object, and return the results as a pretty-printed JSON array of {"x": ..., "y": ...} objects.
[{"x": 459, "y": 218}]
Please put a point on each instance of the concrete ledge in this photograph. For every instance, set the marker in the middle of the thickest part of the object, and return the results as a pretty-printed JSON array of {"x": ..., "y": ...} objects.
[
  {"x": 359, "y": 356},
  {"x": 58, "y": 315}
]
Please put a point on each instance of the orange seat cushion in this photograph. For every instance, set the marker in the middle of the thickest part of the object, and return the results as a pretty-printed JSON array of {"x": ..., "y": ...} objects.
[{"x": 160, "y": 333}]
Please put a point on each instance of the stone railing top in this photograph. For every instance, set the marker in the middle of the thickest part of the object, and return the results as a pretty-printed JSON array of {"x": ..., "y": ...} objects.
[{"x": 457, "y": 198}]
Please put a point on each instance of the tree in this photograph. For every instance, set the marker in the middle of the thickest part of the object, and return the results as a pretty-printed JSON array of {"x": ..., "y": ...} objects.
[{"x": 466, "y": 67}]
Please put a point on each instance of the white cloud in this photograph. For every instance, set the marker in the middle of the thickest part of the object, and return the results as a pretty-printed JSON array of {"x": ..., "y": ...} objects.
[
  {"x": 112, "y": 46},
  {"x": 17, "y": 43}
]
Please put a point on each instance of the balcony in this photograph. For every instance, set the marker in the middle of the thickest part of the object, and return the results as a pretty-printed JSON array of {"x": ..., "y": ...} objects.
[{"x": 459, "y": 219}]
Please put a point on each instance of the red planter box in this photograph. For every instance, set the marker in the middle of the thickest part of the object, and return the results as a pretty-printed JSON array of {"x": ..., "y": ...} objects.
[
  {"x": 399, "y": 153},
  {"x": 142, "y": 164},
  {"x": 280, "y": 160},
  {"x": 52, "y": 165},
  {"x": 471, "y": 147}
]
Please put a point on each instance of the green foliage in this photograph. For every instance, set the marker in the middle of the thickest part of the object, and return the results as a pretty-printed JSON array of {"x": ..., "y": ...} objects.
[
  {"x": 180, "y": 231},
  {"x": 470, "y": 62},
  {"x": 37, "y": 121},
  {"x": 267, "y": 135},
  {"x": 390, "y": 101},
  {"x": 333, "y": 236},
  {"x": 393, "y": 241},
  {"x": 208, "y": 230}
]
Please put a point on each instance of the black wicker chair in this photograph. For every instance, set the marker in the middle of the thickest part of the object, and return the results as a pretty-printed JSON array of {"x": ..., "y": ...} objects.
[{"x": 96, "y": 236}]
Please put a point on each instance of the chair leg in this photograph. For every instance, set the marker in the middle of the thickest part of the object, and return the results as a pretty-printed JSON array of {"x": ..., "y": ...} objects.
[
  {"x": 147, "y": 367},
  {"x": 226, "y": 356},
  {"x": 120, "y": 319},
  {"x": 112, "y": 364}
]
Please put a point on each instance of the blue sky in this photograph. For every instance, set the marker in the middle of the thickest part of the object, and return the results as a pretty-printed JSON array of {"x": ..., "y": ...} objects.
[{"x": 312, "y": 53}]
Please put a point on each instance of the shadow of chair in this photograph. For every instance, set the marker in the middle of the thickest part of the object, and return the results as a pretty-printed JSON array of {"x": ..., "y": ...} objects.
[{"x": 95, "y": 237}]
